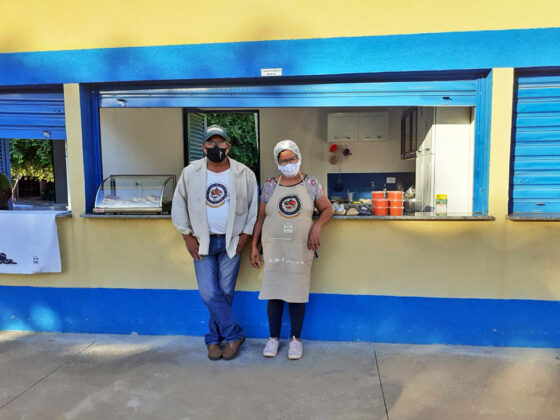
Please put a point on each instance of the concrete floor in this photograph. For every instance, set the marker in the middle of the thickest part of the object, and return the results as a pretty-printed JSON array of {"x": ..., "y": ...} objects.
[{"x": 87, "y": 376}]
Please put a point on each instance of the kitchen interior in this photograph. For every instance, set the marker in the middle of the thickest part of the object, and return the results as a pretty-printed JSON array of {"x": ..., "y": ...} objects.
[
  {"x": 374, "y": 162},
  {"x": 435, "y": 147}
]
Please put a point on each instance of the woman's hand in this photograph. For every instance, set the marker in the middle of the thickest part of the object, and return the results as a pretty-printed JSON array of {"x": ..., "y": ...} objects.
[
  {"x": 192, "y": 246},
  {"x": 255, "y": 257},
  {"x": 314, "y": 241}
]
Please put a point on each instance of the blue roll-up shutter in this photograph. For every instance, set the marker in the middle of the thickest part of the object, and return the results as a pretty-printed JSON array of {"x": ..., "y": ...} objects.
[
  {"x": 32, "y": 116},
  {"x": 434, "y": 93},
  {"x": 536, "y": 146}
]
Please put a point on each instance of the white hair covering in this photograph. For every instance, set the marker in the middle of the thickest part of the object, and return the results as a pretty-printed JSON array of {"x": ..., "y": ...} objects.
[{"x": 286, "y": 145}]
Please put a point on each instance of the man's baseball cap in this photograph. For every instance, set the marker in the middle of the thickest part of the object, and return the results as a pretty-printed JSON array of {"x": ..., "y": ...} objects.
[{"x": 215, "y": 130}]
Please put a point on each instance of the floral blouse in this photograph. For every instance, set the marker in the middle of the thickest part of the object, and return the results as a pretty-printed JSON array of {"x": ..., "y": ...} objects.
[{"x": 313, "y": 187}]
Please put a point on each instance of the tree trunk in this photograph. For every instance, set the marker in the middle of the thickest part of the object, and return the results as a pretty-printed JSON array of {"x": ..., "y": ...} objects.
[{"x": 14, "y": 187}]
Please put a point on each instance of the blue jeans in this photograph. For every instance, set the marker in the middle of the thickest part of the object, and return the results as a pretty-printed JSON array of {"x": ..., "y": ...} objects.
[{"x": 216, "y": 275}]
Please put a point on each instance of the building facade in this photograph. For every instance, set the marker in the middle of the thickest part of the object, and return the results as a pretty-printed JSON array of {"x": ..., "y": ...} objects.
[{"x": 486, "y": 277}]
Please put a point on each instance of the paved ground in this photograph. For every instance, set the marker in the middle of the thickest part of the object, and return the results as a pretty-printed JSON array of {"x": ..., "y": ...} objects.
[{"x": 83, "y": 376}]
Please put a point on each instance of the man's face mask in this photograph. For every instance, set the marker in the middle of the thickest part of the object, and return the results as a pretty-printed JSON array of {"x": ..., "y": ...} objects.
[{"x": 216, "y": 154}]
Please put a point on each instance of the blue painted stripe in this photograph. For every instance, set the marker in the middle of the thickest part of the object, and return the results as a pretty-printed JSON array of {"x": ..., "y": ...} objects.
[
  {"x": 526, "y": 323},
  {"x": 307, "y": 57}
]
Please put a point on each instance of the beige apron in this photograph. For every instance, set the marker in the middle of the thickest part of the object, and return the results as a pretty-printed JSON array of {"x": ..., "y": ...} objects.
[{"x": 287, "y": 260}]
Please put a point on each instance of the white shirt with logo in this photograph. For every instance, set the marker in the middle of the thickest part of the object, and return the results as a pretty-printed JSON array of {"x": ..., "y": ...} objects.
[{"x": 217, "y": 200}]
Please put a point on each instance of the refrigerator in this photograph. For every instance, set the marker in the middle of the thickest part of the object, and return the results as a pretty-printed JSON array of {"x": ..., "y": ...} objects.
[{"x": 445, "y": 158}]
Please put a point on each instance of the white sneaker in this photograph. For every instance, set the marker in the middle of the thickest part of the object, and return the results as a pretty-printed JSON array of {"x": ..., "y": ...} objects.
[
  {"x": 271, "y": 348},
  {"x": 295, "y": 350}
]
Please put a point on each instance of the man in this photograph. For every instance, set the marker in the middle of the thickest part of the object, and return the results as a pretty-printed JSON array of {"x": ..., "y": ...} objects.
[{"x": 216, "y": 233}]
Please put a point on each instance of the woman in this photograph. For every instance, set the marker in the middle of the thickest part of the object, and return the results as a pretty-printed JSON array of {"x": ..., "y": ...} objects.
[{"x": 290, "y": 238}]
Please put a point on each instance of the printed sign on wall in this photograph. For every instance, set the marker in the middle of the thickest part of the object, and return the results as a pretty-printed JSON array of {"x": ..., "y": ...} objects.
[{"x": 29, "y": 242}]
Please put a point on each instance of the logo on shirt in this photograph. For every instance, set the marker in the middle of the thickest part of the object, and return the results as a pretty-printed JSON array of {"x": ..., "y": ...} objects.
[
  {"x": 289, "y": 206},
  {"x": 216, "y": 195}
]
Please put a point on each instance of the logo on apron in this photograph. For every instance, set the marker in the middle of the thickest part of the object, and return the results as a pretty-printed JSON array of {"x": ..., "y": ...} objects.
[
  {"x": 216, "y": 195},
  {"x": 289, "y": 206}
]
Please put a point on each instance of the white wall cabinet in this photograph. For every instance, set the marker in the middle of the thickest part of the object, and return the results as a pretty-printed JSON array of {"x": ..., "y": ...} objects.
[
  {"x": 342, "y": 126},
  {"x": 358, "y": 126},
  {"x": 373, "y": 126}
]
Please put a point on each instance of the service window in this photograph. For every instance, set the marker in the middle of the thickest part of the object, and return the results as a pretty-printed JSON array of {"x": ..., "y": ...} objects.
[{"x": 424, "y": 138}]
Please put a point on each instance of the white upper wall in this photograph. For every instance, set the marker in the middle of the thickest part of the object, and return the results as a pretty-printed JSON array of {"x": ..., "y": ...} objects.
[
  {"x": 308, "y": 128},
  {"x": 150, "y": 141},
  {"x": 141, "y": 141}
]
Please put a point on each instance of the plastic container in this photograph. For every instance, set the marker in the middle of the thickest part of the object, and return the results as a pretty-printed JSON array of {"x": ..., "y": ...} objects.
[
  {"x": 381, "y": 202},
  {"x": 380, "y": 211},
  {"x": 395, "y": 211},
  {"x": 395, "y": 195},
  {"x": 395, "y": 203},
  {"x": 377, "y": 195}
]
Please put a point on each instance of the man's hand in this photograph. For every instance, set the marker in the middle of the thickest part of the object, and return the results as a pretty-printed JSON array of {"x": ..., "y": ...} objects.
[
  {"x": 314, "y": 240},
  {"x": 255, "y": 257},
  {"x": 192, "y": 246},
  {"x": 243, "y": 238}
]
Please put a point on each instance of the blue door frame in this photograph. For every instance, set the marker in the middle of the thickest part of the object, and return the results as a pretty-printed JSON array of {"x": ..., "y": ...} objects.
[{"x": 473, "y": 90}]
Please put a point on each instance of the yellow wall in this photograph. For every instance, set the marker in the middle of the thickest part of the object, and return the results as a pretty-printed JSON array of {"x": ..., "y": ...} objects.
[
  {"x": 499, "y": 259},
  {"x": 39, "y": 25}
]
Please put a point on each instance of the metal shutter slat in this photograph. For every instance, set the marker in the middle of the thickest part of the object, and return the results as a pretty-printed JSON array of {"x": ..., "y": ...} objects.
[{"x": 32, "y": 116}]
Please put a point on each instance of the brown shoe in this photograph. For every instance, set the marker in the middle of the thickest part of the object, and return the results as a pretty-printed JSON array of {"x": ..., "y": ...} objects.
[
  {"x": 214, "y": 351},
  {"x": 232, "y": 348}
]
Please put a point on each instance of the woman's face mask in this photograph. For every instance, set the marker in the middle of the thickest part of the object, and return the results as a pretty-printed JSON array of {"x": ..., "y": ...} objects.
[{"x": 290, "y": 169}]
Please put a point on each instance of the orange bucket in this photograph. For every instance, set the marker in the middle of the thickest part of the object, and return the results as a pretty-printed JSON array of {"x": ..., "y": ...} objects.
[
  {"x": 395, "y": 195},
  {"x": 395, "y": 211},
  {"x": 377, "y": 195},
  {"x": 395, "y": 203},
  {"x": 380, "y": 211},
  {"x": 380, "y": 202}
]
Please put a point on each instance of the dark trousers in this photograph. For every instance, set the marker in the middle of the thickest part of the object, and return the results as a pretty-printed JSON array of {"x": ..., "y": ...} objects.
[{"x": 275, "y": 307}]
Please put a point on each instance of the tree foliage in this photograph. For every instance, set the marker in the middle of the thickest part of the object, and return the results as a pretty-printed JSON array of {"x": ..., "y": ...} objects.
[
  {"x": 241, "y": 129},
  {"x": 32, "y": 159}
]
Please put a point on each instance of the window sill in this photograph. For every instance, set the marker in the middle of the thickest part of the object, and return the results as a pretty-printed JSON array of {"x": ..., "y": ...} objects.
[
  {"x": 417, "y": 216},
  {"x": 60, "y": 214},
  {"x": 533, "y": 217},
  {"x": 420, "y": 216},
  {"x": 125, "y": 216}
]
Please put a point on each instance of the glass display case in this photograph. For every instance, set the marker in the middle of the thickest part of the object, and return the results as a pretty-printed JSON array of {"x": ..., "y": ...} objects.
[{"x": 135, "y": 194}]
